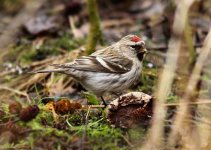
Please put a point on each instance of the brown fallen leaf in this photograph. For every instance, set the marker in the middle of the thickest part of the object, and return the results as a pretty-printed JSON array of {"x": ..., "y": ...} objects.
[
  {"x": 2, "y": 113},
  {"x": 29, "y": 113},
  {"x": 10, "y": 132},
  {"x": 41, "y": 24},
  {"x": 130, "y": 109},
  {"x": 15, "y": 107},
  {"x": 63, "y": 106}
]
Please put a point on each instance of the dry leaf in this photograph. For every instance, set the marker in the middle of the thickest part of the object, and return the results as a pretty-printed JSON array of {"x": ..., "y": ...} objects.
[
  {"x": 130, "y": 109},
  {"x": 29, "y": 113},
  {"x": 15, "y": 107},
  {"x": 63, "y": 106}
]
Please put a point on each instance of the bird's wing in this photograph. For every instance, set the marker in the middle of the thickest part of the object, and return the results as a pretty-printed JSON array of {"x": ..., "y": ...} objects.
[{"x": 104, "y": 64}]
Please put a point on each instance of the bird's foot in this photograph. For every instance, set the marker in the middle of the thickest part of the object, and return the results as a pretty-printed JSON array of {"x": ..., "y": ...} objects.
[
  {"x": 118, "y": 95},
  {"x": 104, "y": 103}
]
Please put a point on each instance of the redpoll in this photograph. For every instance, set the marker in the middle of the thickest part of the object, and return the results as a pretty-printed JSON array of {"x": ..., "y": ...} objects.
[{"x": 110, "y": 70}]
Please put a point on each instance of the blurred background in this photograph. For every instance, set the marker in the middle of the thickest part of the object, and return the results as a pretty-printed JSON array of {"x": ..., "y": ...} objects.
[{"x": 177, "y": 72}]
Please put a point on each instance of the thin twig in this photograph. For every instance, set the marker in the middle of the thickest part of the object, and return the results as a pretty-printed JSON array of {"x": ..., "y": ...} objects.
[
  {"x": 16, "y": 91},
  {"x": 4, "y": 73},
  {"x": 128, "y": 142},
  {"x": 161, "y": 48},
  {"x": 85, "y": 129},
  {"x": 45, "y": 61},
  {"x": 9, "y": 34},
  {"x": 95, "y": 33},
  {"x": 166, "y": 79},
  {"x": 199, "y": 102},
  {"x": 183, "y": 109},
  {"x": 92, "y": 106}
]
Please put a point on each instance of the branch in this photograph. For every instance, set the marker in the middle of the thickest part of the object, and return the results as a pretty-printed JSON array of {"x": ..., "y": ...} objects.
[{"x": 95, "y": 33}]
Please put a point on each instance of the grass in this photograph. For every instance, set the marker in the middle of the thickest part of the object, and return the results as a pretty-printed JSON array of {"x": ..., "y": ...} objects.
[
  {"x": 70, "y": 130},
  {"x": 28, "y": 51},
  {"x": 99, "y": 134},
  {"x": 89, "y": 128}
]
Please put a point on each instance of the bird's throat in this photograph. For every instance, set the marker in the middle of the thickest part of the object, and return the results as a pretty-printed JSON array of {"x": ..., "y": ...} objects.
[{"x": 140, "y": 56}]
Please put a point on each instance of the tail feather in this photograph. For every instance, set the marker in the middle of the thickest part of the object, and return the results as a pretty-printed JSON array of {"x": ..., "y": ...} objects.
[
  {"x": 56, "y": 65},
  {"x": 59, "y": 70}
]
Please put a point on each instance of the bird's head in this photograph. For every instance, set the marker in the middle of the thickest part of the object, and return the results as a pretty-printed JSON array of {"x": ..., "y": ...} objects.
[{"x": 134, "y": 44}]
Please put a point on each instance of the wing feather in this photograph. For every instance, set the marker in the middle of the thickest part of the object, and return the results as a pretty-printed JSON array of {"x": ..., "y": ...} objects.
[{"x": 104, "y": 64}]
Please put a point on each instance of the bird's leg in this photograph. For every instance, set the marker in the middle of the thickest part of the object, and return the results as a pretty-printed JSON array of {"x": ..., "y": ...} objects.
[
  {"x": 103, "y": 101},
  {"x": 118, "y": 95}
]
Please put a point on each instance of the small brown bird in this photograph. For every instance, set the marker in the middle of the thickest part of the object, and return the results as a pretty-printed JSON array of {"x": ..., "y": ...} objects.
[{"x": 110, "y": 70}]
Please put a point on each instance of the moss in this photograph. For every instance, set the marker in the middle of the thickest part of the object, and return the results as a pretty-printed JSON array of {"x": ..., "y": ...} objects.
[
  {"x": 136, "y": 135},
  {"x": 190, "y": 46},
  {"x": 99, "y": 134},
  {"x": 11, "y": 6},
  {"x": 148, "y": 80},
  {"x": 66, "y": 42},
  {"x": 92, "y": 99},
  {"x": 26, "y": 52},
  {"x": 95, "y": 33},
  {"x": 103, "y": 136},
  {"x": 172, "y": 98},
  {"x": 42, "y": 131}
]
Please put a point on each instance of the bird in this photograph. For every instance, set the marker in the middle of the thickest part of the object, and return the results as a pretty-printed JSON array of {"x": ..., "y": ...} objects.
[{"x": 109, "y": 70}]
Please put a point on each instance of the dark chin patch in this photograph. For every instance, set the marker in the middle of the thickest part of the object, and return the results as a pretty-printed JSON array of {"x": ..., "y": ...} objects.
[{"x": 140, "y": 56}]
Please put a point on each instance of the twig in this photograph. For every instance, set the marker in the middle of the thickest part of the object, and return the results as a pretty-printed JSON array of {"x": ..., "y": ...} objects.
[
  {"x": 45, "y": 61},
  {"x": 128, "y": 142},
  {"x": 16, "y": 91},
  {"x": 4, "y": 73},
  {"x": 92, "y": 106},
  {"x": 9, "y": 34},
  {"x": 38, "y": 77},
  {"x": 166, "y": 79},
  {"x": 76, "y": 32},
  {"x": 183, "y": 109},
  {"x": 199, "y": 102},
  {"x": 84, "y": 133},
  {"x": 161, "y": 48},
  {"x": 29, "y": 130},
  {"x": 95, "y": 33}
]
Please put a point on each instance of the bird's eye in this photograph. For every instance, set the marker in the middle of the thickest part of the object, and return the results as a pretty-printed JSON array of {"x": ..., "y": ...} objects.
[
  {"x": 138, "y": 46},
  {"x": 133, "y": 46}
]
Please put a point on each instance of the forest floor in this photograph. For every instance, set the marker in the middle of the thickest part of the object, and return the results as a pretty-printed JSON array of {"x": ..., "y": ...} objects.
[{"x": 35, "y": 110}]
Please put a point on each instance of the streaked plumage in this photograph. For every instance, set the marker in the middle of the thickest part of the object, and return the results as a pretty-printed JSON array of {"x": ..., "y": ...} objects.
[{"x": 112, "y": 69}]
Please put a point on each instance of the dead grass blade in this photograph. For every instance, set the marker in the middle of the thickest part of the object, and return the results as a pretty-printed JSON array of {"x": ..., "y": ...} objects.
[
  {"x": 198, "y": 102},
  {"x": 11, "y": 31},
  {"x": 32, "y": 79},
  {"x": 16, "y": 92},
  {"x": 155, "y": 140},
  {"x": 183, "y": 109}
]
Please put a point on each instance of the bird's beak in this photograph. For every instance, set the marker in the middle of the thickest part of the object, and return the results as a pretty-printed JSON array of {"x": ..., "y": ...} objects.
[
  {"x": 140, "y": 47},
  {"x": 143, "y": 50}
]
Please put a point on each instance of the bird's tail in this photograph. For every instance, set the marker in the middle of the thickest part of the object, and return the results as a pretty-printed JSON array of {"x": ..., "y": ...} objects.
[{"x": 59, "y": 70}]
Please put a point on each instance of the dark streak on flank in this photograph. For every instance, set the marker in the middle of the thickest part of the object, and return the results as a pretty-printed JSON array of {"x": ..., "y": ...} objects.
[{"x": 123, "y": 81}]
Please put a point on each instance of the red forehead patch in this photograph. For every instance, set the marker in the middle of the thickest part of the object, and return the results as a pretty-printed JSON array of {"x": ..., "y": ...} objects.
[{"x": 135, "y": 38}]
